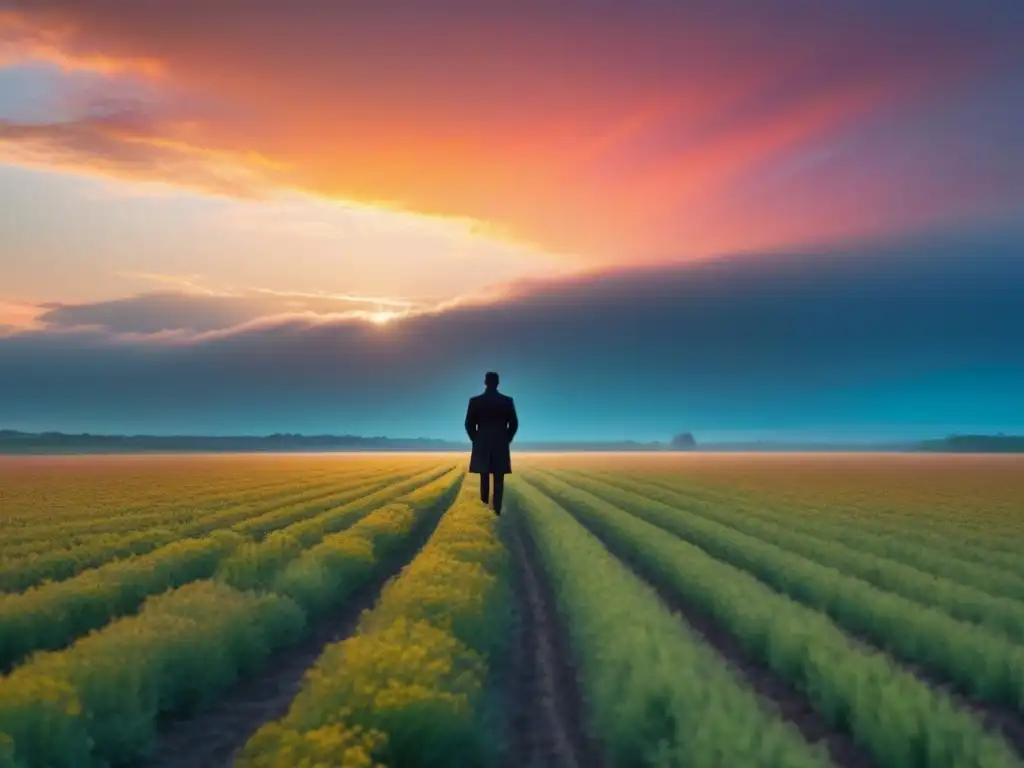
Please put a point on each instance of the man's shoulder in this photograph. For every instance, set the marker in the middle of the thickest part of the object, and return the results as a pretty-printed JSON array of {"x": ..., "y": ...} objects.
[{"x": 493, "y": 397}]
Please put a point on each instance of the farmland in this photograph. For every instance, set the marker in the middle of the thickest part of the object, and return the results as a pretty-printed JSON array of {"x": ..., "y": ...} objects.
[{"x": 625, "y": 610}]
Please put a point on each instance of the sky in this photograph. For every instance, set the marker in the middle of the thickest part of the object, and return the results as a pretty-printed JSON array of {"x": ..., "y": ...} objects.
[{"x": 745, "y": 220}]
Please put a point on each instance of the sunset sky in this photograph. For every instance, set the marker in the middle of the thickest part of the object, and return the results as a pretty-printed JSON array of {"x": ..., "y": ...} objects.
[{"x": 746, "y": 219}]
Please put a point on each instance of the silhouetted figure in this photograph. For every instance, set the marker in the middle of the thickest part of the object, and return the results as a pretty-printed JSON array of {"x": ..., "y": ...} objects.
[{"x": 491, "y": 423}]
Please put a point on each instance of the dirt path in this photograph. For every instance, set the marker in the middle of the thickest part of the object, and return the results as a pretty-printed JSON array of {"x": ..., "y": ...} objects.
[
  {"x": 547, "y": 712},
  {"x": 212, "y": 737},
  {"x": 790, "y": 703}
]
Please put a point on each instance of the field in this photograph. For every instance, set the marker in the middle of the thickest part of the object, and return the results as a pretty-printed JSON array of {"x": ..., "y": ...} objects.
[{"x": 625, "y": 610}]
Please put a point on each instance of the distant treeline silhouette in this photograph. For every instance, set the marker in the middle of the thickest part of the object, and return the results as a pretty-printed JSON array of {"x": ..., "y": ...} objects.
[
  {"x": 13, "y": 441},
  {"x": 976, "y": 444},
  {"x": 17, "y": 442}
]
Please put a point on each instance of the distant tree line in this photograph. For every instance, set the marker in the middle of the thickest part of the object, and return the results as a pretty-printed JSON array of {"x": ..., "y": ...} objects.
[
  {"x": 683, "y": 442},
  {"x": 976, "y": 444}
]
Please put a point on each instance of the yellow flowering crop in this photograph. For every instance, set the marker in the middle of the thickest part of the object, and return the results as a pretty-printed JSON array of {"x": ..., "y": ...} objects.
[
  {"x": 416, "y": 668},
  {"x": 331, "y": 571},
  {"x": 332, "y": 746},
  {"x": 99, "y": 700}
]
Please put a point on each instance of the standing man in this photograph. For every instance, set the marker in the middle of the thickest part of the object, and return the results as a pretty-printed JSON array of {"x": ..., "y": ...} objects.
[{"x": 491, "y": 423}]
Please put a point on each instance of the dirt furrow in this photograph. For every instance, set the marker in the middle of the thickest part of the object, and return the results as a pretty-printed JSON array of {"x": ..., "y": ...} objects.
[
  {"x": 789, "y": 702},
  {"x": 212, "y": 738},
  {"x": 547, "y": 727}
]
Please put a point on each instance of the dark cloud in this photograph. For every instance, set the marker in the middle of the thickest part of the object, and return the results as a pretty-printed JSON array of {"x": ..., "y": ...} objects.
[{"x": 926, "y": 334}]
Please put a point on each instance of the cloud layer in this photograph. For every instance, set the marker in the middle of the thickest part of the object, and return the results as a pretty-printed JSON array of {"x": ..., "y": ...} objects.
[
  {"x": 589, "y": 128},
  {"x": 927, "y": 336}
]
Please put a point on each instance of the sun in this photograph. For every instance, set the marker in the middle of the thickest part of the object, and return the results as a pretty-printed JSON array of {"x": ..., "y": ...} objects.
[{"x": 381, "y": 318}]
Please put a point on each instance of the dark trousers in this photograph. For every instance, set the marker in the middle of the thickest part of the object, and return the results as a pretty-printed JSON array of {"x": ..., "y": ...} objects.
[{"x": 499, "y": 489}]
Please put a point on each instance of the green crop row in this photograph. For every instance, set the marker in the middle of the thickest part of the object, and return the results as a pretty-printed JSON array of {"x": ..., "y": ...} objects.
[
  {"x": 258, "y": 526},
  {"x": 961, "y": 602},
  {"x": 254, "y": 564},
  {"x": 41, "y": 508},
  {"x": 98, "y": 702},
  {"x": 408, "y": 687},
  {"x": 636, "y": 658},
  {"x": 989, "y": 666},
  {"x": 859, "y": 504},
  {"x": 333, "y": 570},
  {"x": 994, "y": 581},
  {"x": 167, "y": 505},
  {"x": 897, "y": 718},
  {"x": 64, "y": 564},
  {"x": 910, "y": 530},
  {"x": 51, "y": 615},
  {"x": 75, "y": 532}
]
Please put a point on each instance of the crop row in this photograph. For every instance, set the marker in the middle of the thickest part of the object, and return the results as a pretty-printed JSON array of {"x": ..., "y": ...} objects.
[
  {"x": 49, "y": 616},
  {"x": 166, "y": 504},
  {"x": 408, "y": 687},
  {"x": 871, "y": 503},
  {"x": 987, "y": 665},
  {"x": 259, "y": 525},
  {"x": 55, "y": 566},
  {"x": 74, "y": 532},
  {"x": 243, "y": 518},
  {"x": 126, "y": 511},
  {"x": 253, "y": 563},
  {"x": 62, "y": 539},
  {"x": 982, "y": 576},
  {"x": 98, "y": 701},
  {"x": 897, "y": 718},
  {"x": 950, "y": 537},
  {"x": 962, "y": 602},
  {"x": 636, "y": 658}
]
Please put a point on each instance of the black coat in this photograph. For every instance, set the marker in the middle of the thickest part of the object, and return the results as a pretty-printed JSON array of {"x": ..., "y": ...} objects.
[{"x": 491, "y": 423}]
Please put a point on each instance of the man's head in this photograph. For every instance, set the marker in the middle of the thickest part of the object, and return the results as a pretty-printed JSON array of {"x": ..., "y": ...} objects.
[{"x": 491, "y": 380}]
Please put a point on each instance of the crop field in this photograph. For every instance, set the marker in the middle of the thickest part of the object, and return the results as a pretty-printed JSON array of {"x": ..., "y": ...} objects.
[{"x": 627, "y": 610}]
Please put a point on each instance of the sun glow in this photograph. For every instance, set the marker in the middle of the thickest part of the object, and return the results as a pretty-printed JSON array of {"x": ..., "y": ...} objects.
[{"x": 382, "y": 318}]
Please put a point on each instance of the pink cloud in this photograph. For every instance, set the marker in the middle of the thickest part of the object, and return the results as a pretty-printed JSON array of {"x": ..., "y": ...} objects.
[{"x": 593, "y": 130}]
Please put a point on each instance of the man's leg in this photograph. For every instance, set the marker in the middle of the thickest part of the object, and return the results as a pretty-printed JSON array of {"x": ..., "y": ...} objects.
[
  {"x": 485, "y": 491},
  {"x": 499, "y": 491}
]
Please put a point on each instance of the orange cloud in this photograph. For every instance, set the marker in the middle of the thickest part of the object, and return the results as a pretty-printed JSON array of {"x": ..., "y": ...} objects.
[
  {"x": 602, "y": 132},
  {"x": 125, "y": 149},
  {"x": 22, "y": 40},
  {"x": 19, "y": 317}
]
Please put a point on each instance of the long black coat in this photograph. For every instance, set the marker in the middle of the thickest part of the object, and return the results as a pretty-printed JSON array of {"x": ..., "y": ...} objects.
[{"x": 491, "y": 423}]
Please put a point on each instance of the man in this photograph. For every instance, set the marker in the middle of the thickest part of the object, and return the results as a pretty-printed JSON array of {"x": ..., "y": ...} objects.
[{"x": 491, "y": 423}]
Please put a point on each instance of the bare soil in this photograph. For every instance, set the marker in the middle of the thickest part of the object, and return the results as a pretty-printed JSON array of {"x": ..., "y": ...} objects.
[{"x": 547, "y": 710}]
